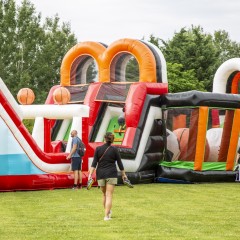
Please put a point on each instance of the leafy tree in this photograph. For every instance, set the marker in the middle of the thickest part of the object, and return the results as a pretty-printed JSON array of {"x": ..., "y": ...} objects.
[
  {"x": 132, "y": 70},
  {"x": 92, "y": 72},
  {"x": 7, "y": 38},
  {"x": 227, "y": 49},
  {"x": 156, "y": 41},
  {"x": 198, "y": 52},
  {"x": 181, "y": 81},
  {"x": 194, "y": 50},
  {"x": 29, "y": 124},
  {"x": 31, "y": 52}
]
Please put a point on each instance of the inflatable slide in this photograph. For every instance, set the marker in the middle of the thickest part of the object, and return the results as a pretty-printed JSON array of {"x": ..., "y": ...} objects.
[{"x": 23, "y": 164}]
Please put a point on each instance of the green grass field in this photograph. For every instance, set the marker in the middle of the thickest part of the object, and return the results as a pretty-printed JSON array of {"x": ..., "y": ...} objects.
[{"x": 153, "y": 211}]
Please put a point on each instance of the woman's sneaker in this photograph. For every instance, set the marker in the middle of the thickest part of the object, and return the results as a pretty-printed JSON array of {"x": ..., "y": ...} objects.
[
  {"x": 107, "y": 218},
  {"x": 75, "y": 187},
  {"x": 90, "y": 183},
  {"x": 128, "y": 183}
]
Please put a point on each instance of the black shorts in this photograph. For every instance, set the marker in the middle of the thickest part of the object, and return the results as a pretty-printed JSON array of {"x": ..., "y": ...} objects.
[{"x": 76, "y": 163}]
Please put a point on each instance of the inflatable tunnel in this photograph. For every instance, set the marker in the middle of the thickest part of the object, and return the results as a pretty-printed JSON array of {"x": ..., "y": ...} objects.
[{"x": 203, "y": 134}]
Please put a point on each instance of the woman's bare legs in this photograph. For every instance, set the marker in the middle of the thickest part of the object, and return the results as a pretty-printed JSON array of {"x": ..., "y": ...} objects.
[
  {"x": 107, "y": 198},
  {"x": 104, "y": 196},
  {"x": 109, "y": 195}
]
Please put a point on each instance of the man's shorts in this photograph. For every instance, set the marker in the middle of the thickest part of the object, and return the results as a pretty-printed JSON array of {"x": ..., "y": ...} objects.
[
  {"x": 76, "y": 163},
  {"x": 104, "y": 182}
]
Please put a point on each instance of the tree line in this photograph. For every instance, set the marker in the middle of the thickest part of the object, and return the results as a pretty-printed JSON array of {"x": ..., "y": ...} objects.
[
  {"x": 193, "y": 57},
  {"x": 32, "y": 49}
]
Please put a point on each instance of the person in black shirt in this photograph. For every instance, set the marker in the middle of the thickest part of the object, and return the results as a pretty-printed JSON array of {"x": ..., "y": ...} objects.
[{"x": 105, "y": 158}]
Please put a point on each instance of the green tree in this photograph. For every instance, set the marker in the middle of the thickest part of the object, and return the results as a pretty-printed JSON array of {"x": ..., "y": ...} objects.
[
  {"x": 156, "y": 41},
  {"x": 132, "y": 70},
  {"x": 92, "y": 73},
  {"x": 196, "y": 51},
  {"x": 226, "y": 47},
  {"x": 8, "y": 47},
  {"x": 31, "y": 52},
  {"x": 56, "y": 42},
  {"x": 181, "y": 81}
]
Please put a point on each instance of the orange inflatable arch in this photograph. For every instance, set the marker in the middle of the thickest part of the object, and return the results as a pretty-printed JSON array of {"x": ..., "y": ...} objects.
[
  {"x": 106, "y": 58},
  {"x": 75, "y": 55}
]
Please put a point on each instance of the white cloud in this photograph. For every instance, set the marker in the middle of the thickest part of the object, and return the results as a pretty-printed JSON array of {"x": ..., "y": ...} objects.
[{"x": 110, "y": 20}]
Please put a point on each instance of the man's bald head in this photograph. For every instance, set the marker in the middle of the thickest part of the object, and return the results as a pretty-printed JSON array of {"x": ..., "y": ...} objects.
[{"x": 73, "y": 133}]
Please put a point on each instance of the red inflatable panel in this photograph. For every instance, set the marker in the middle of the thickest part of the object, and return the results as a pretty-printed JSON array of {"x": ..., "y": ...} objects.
[
  {"x": 56, "y": 146},
  {"x": 134, "y": 104},
  {"x": 85, "y": 129},
  {"x": 90, "y": 101},
  {"x": 94, "y": 145},
  {"x": 47, "y": 135},
  {"x": 157, "y": 88},
  {"x": 129, "y": 137},
  {"x": 40, "y": 181},
  {"x": 35, "y": 182}
]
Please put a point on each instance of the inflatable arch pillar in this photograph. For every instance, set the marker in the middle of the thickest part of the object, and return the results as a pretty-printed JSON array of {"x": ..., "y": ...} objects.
[{"x": 75, "y": 56}]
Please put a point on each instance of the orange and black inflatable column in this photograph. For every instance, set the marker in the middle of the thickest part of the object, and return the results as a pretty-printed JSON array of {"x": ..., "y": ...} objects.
[{"x": 201, "y": 138}]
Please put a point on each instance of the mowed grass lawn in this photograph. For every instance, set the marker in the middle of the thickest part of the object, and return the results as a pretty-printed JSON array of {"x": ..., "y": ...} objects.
[{"x": 151, "y": 211}]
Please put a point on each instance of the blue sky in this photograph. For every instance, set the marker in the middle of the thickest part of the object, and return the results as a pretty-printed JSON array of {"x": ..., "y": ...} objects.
[{"x": 109, "y": 20}]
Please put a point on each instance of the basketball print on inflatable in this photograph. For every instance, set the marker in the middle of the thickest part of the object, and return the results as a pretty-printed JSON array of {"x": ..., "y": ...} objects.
[
  {"x": 26, "y": 96},
  {"x": 61, "y": 96}
]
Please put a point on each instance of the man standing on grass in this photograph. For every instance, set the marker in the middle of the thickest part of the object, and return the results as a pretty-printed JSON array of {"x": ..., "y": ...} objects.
[{"x": 76, "y": 160}]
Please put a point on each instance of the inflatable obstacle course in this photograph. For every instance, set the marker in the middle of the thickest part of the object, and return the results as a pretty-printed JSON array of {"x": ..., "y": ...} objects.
[{"x": 182, "y": 137}]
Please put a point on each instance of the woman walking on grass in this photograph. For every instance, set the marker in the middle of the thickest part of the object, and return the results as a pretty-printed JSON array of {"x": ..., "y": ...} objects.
[{"x": 105, "y": 158}]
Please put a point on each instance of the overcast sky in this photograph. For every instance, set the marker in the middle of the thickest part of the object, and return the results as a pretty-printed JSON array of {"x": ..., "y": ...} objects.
[{"x": 109, "y": 20}]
